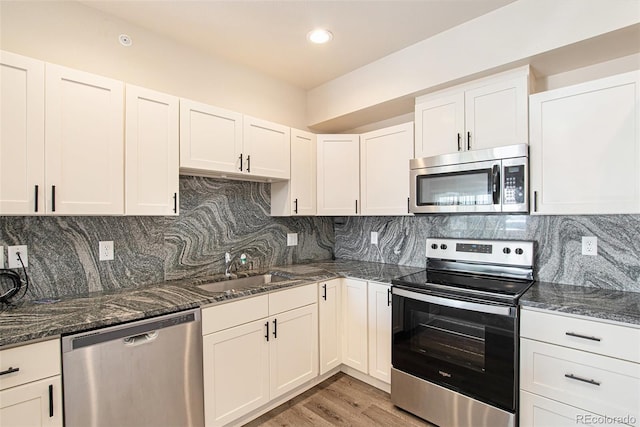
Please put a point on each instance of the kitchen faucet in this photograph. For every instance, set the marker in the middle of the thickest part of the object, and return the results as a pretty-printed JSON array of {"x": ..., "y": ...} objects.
[{"x": 228, "y": 263}]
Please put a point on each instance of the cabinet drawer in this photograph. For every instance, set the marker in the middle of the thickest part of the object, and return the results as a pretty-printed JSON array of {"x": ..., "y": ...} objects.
[
  {"x": 32, "y": 361},
  {"x": 599, "y": 384},
  {"x": 537, "y": 411},
  {"x": 589, "y": 335},
  {"x": 292, "y": 298},
  {"x": 234, "y": 313}
]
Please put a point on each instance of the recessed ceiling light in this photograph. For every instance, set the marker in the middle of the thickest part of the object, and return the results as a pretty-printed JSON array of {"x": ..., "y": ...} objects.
[
  {"x": 319, "y": 36},
  {"x": 125, "y": 40}
]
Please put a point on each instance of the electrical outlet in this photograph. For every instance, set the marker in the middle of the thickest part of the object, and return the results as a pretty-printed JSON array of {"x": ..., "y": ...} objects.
[
  {"x": 14, "y": 261},
  {"x": 589, "y": 245},
  {"x": 1, "y": 256},
  {"x": 374, "y": 237},
  {"x": 106, "y": 250},
  {"x": 292, "y": 239}
]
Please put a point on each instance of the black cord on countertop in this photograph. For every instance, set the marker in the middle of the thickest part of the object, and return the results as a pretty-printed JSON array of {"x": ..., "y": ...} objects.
[{"x": 14, "y": 277}]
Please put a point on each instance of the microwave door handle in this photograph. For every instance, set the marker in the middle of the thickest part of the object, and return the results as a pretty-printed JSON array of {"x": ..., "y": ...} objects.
[{"x": 496, "y": 184}]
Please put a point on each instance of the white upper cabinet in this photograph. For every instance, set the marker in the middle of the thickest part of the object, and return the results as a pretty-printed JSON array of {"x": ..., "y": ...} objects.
[
  {"x": 486, "y": 113},
  {"x": 151, "y": 138},
  {"x": 338, "y": 174},
  {"x": 21, "y": 135},
  {"x": 266, "y": 149},
  {"x": 297, "y": 196},
  {"x": 84, "y": 150},
  {"x": 585, "y": 148},
  {"x": 384, "y": 170},
  {"x": 210, "y": 138}
]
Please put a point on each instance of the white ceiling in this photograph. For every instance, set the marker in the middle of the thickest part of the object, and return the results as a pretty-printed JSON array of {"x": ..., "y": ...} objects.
[{"x": 270, "y": 35}]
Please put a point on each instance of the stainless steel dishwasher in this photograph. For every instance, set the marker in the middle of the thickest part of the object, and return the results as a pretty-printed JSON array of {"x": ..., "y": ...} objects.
[{"x": 146, "y": 373}]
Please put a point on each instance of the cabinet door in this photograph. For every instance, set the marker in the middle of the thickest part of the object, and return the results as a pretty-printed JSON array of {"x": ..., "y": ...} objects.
[
  {"x": 537, "y": 411},
  {"x": 236, "y": 372},
  {"x": 21, "y": 135},
  {"x": 84, "y": 149},
  {"x": 338, "y": 174},
  {"x": 585, "y": 149},
  {"x": 384, "y": 170},
  {"x": 151, "y": 138},
  {"x": 497, "y": 114},
  {"x": 439, "y": 125},
  {"x": 355, "y": 324},
  {"x": 210, "y": 138},
  {"x": 298, "y": 195},
  {"x": 380, "y": 331},
  {"x": 34, "y": 404},
  {"x": 293, "y": 354},
  {"x": 267, "y": 148},
  {"x": 330, "y": 325}
]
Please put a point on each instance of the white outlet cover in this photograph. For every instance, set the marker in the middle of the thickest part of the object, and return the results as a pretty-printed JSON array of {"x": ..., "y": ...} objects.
[
  {"x": 589, "y": 245},
  {"x": 374, "y": 237},
  {"x": 13, "y": 256},
  {"x": 292, "y": 239},
  {"x": 105, "y": 250}
]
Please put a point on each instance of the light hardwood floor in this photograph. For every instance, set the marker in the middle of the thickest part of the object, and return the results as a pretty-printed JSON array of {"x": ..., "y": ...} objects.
[{"x": 339, "y": 401}]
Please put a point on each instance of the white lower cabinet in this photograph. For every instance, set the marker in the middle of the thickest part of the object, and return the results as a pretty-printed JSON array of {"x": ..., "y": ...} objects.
[
  {"x": 30, "y": 385},
  {"x": 355, "y": 324},
  {"x": 250, "y": 358},
  {"x": 380, "y": 331},
  {"x": 330, "y": 324},
  {"x": 576, "y": 372}
]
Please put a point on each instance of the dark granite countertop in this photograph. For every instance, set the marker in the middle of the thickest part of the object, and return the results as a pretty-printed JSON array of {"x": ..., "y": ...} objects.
[
  {"x": 606, "y": 304},
  {"x": 32, "y": 321}
]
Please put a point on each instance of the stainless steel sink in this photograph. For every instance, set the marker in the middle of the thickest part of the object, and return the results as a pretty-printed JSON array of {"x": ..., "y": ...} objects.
[{"x": 242, "y": 283}]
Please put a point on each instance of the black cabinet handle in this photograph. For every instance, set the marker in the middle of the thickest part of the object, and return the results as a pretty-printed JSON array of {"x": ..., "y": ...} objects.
[
  {"x": 248, "y": 163},
  {"x": 584, "y": 380},
  {"x": 50, "y": 401},
  {"x": 388, "y": 297},
  {"x": 36, "y": 199},
  {"x": 324, "y": 292},
  {"x": 267, "y": 335},
  {"x": 275, "y": 328},
  {"x": 408, "y": 205},
  {"x": 356, "y": 206},
  {"x": 53, "y": 198},
  {"x": 535, "y": 201},
  {"x": 468, "y": 140},
  {"x": 459, "y": 142},
  {"x": 240, "y": 162},
  {"x": 586, "y": 337},
  {"x": 296, "y": 204},
  {"x": 9, "y": 371},
  {"x": 496, "y": 184},
  {"x": 175, "y": 202}
]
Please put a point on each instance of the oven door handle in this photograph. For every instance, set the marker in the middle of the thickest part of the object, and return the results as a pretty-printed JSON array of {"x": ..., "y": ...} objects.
[{"x": 454, "y": 303}]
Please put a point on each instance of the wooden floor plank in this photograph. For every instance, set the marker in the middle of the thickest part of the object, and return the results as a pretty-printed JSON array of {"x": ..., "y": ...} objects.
[{"x": 339, "y": 401}]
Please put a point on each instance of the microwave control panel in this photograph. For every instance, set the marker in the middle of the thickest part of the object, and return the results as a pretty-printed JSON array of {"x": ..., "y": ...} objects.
[{"x": 513, "y": 187}]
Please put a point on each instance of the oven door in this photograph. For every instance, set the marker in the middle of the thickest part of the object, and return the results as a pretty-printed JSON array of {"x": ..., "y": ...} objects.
[
  {"x": 468, "y": 187},
  {"x": 468, "y": 347}
]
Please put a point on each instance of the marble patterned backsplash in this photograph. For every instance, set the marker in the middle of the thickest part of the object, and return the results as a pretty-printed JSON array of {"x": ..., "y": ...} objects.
[
  {"x": 558, "y": 240},
  {"x": 216, "y": 216}
]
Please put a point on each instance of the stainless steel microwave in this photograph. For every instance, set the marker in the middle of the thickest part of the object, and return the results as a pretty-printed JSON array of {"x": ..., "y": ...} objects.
[{"x": 492, "y": 180}]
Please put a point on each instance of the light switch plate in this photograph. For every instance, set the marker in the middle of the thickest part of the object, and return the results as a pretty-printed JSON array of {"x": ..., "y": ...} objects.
[
  {"x": 374, "y": 237},
  {"x": 106, "y": 250},
  {"x": 14, "y": 262},
  {"x": 292, "y": 239}
]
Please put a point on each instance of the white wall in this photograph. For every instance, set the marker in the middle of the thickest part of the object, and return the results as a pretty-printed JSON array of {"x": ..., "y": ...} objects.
[
  {"x": 508, "y": 35},
  {"x": 77, "y": 36}
]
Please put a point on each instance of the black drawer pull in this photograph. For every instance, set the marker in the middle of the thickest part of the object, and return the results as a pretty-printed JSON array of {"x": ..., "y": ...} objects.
[
  {"x": 50, "y": 401},
  {"x": 586, "y": 337},
  {"x": 584, "y": 380},
  {"x": 9, "y": 371}
]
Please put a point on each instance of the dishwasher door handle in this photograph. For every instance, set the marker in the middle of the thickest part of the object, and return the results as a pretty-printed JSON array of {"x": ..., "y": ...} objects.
[{"x": 141, "y": 339}]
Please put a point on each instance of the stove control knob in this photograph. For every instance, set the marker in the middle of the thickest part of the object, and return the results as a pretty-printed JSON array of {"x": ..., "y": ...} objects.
[
  {"x": 506, "y": 251},
  {"x": 434, "y": 246},
  {"x": 443, "y": 246},
  {"x": 519, "y": 251}
]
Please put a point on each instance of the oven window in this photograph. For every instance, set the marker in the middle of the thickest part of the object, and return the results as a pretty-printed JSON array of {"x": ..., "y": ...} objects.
[
  {"x": 449, "y": 339},
  {"x": 458, "y": 188}
]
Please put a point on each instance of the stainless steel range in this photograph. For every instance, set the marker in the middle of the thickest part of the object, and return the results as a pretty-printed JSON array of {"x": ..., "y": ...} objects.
[{"x": 455, "y": 332}]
